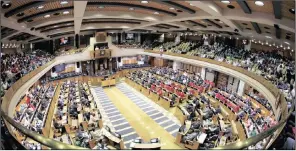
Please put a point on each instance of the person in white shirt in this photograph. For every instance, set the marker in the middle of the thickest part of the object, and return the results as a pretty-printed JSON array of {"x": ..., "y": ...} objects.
[{"x": 93, "y": 119}]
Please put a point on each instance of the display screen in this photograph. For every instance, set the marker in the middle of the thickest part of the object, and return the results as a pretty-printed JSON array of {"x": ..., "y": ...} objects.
[
  {"x": 59, "y": 68},
  {"x": 129, "y": 36},
  {"x": 64, "y": 41}
]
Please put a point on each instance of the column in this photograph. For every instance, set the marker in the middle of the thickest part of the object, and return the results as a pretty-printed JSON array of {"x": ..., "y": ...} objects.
[
  {"x": 248, "y": 46},
  {"x": 177, "y": 65},
  {"x": 77, "y": 41},
  {"x": 241, "y": 88},
  {"x": 178, "y": 38},
  {"x": 203, "y": 73}
]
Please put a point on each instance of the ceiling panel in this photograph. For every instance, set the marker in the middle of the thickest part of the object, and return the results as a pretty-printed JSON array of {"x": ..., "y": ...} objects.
[
  {"x": 245, "y": 25},
  {"x": 47, "y": 6},
  {"x": 286, "y": 5},
  {"x": 123, "y": 9},
  {"x": 71, "y": 13}
]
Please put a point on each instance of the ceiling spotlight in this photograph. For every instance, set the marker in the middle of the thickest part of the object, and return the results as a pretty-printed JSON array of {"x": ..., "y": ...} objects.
[
  {"x": 69, "y": 24},
  {"x": 292, "y": 10},
  {"x": 281, "y": 46},
  {"x": 40, "y": 7},
  {"x": 131, "y": 8},
  {"x": 284, "y": 48},
  {"x": 191, "y": 4},
  {"x": 156, "y": 13},
  {"x": 101, "y": 7},
  {"x": 46, "y": 16},
  {"x": 66, "y": 12},
  {"x": 268, "y": 37},
  {"x": 259, "y": 3},
  {"x": 172, "y": 8},
  {"x": 237, "y": 38},
  {"x": 288, "y": 47},
  {"x": 269, "y": 45},
  {"x": 277, "y": 46},
  {"x": 292, "y": 50},
  {"x": 55, "y": 26},
  {"x": 64, "y": 2},
  {"x": 226, "y": 2},
  {"x": 273, "y": 44},
  {"x": 144, "y": 2}
]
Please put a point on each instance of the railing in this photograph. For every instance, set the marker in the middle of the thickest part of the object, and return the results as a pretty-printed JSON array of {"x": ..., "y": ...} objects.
[{"x": 57, "y": 145}]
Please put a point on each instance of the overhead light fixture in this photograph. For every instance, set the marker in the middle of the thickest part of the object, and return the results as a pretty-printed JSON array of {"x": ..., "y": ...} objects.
[
  {"x": 172, "y": 8},
  {"x": 221, "y": 22},
  {"x": 269, "y": 45},
  {"x": 273, "y": 44},
  {"x": 268, "y": 37},
  {"x": 237, "y": 38},
  {"x": 284, "y": 48},
  {"x": 40, "y": 7},
  {"x": 288, "y": 47},
  {"x": 66, "y": 12},
  {"x": 69, "y": 24},
  {"x": 259, "y": 3},
  {"x": 292, "y": 50},
  {"x": 64, "y": 2},
  {"x": 191, "y": 4},
  {"x": 156, "y": 13},
  {"x": 55, "y": 26},
  {"x": 292, "y": 10},
  {"x": 46, "y": 16},
  {"x": 287, "y": 43},
  {"x": 226, "y": 2},
  {"x": 144, "y": 2},
  {"x": 281, "y": 45},
  {"x": 101, "y": 7},
  {"x": 131, "y": 8}
]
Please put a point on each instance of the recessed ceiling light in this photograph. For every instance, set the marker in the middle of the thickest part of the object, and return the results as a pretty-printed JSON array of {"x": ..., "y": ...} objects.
[
  {"x": 5, "y": 4},
  {"x": 259, "y": 3},
  {"x": 287, "y": 43},
  {"x": 226, "y": 2},
  {"x": 64, "y": 2},
  {"x": 131, "y": 8},
  {"x": 55, "y": 26},
  {"x": 46, "y": 16},
  {"x": 156, "y": 13},
  {"x": 172, "y": 8},
  {"x": 268, "y": 37},
  {"x": 144, "y": 2},
  {"x": 20, "y": 14},
  {"x": 292, "y": 10},
  {"x": 68, "y": 24},
  {"x": 101, "y": 7},
  {"x": 40, "y": 7},
  {"x": 221, "y": 22},
  {"x": 66, "y": 12}
]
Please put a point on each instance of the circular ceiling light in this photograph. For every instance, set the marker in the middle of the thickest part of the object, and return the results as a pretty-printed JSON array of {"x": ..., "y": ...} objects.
[
  {"x": 131, "y": 8},
  {"x": 172, "y": 8},
  {"x": 144, "y": 2},
  {"x": 40, "y": 7},
  {"x": 101, "y": 7},
  {"x": 66, "y": 12},
  {"x": 156, "y": 13},
  {"x": 191, "y": 4},
  {"x": 5, "y": 4},
  {"x": 226, "y": 2},
  {"x": 259, "y": 3},
  {"x": 55, "y": 26},
  {"x": 46, "y": 16},
  {"x": 20, "y": 14},
  {"x": 292, "y": 10},
  {"x": 221, "y": 22},
  {"x": 64, "y": 2}
]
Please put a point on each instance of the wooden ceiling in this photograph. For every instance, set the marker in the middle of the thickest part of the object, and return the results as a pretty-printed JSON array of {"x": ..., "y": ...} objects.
[{"x": 266, "y": 8}]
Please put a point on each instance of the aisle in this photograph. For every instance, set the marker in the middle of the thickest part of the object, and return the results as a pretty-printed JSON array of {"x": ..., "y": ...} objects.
[
  {"x": 113, "y": 118},
  {"x": 144, "y": 125},
  {"x": 159, "y": 115}
]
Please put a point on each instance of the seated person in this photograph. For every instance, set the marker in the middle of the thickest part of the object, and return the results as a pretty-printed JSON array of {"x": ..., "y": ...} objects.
[{"x": 93, "y": 119}]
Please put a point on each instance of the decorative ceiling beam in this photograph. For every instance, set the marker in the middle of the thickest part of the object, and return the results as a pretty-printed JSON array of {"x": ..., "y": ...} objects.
[
  {"x": 196, "y": 23},
  {"x": 277, "y": 9},
  {"x": 79, "y": 9},
  {"x": 245, "y": 7},
  {"x": 55, "y": 28},
  {"x": 52, "y": 11},
  {"x": 24, "y": 7},
  {"x": 256, "y": 27},
  {"x": 56, "y": 24},
  {"x": 162, "y": 27},
  {"x": 213, "y": 23},
  {"x": 169, "y": 26},
  {"x": 277, "y": 31},
  {"x": 177, "y": 6},
  {"x": 131, "y": 5},
  {"x": 112, "y": 22}
]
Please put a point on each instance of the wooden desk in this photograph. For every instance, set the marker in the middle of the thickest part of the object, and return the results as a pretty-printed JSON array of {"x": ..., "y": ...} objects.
[
  {"x": 153, "y": 96},
  {"x": 181, "y": 114},
  {"x": 112, "y": 138},
  {"x": 145, "y": 146},
  {"x": 108, "y": 82},
  {"x": 165, "y": 102}
]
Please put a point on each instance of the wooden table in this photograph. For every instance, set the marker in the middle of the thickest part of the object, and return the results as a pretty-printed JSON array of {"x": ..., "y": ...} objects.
[
  {"x": 145, "y": 146},
  {"x": 109, "y": 82}
]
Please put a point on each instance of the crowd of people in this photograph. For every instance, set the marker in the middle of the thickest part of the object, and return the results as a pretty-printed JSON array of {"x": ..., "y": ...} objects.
[
  {"x": 15, "y": 66},
  {"x": 272, "y": 66}
]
